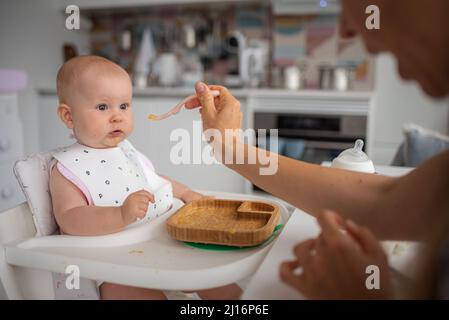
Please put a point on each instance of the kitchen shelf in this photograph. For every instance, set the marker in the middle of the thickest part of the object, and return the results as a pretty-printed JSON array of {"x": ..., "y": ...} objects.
[
  {"x": 92, "y": 5},
  {"x": 260, "y": 92}
]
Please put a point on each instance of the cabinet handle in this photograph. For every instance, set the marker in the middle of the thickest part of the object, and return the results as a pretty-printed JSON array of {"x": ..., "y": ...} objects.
[
  {"x": 5, "y": 144},
  {"x": 7, "y": 192}
]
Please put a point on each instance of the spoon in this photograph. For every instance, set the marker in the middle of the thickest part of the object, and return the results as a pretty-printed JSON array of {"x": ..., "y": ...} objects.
[{"x": 179, "y": 106}]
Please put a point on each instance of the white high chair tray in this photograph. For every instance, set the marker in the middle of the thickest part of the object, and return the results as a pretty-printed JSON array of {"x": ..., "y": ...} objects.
[{"x": 143, "y": 256}]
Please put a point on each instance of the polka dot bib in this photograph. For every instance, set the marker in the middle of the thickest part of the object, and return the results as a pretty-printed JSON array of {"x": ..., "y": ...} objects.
[{"x": 112, "y": 174}]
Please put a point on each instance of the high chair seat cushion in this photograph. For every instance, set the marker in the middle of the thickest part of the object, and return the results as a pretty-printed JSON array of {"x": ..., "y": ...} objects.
[{"x": 33, "y": 174}]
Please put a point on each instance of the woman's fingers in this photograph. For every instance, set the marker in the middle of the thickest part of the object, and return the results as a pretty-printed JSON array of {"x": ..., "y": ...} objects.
[
  {"x": 304, "y": 250},
  {"x": 196, "y": 103},
  {"x": 287, "y": 274},
  {"x": 193, "y": 103},
  {"x": 206, "y": 99},
  {"x": 363, "y": 236},
  {"x": 332, "y": 225},
  {"x": 225, "y": 99},
  {"x": 224, "y": 92}
]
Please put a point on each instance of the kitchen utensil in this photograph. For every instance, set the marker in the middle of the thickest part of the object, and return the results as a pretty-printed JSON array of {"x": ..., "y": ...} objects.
[
  {"x": 342, "y": 78},
  {"x": 167, "y": 69},
  {"x": 145, "y": 55},
  {"x": 292, "y": 78},
  {"x": 335, "y": 78},
  {"x": 125, "y": 39},
  {"x": 236, "y": 42},
  {"x": 252, "y": 66},
  {"x": 326, "y": 80},
  {"x": 179, "y": 106},
  {"x": 189, "y": 36}
]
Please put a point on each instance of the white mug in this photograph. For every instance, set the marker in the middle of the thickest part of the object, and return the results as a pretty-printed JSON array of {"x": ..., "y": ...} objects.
[{"x": 166, "y": 67}]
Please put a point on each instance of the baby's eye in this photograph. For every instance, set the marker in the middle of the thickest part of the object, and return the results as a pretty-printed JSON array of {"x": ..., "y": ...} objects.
[
  {"x": 124, "y": 106},
  {"x": 102, "y": 107}
]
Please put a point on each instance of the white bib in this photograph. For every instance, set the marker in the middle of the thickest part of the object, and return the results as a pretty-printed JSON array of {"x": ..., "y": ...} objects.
[{"x": 112, "y": 174}]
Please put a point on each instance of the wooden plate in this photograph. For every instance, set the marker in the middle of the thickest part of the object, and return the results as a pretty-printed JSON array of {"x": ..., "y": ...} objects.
[{"x": 225, "y": 222}]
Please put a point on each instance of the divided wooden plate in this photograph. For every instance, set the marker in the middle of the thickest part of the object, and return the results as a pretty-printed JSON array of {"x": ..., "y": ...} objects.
[{"x": 226, "y": 222}]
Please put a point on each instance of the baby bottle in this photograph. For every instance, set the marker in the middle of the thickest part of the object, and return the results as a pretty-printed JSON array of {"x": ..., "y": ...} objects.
[{"x": 354, "y": 159}]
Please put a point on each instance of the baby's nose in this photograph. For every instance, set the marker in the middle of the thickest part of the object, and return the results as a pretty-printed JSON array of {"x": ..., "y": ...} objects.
[{"x": 116, "y": 117}]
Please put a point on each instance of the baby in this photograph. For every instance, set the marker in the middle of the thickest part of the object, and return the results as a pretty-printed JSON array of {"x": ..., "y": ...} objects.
[{"x": 100, "y": 185}]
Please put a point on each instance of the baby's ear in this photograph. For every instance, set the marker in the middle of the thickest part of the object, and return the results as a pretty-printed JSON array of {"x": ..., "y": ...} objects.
[{"x": 65, "y": 114}]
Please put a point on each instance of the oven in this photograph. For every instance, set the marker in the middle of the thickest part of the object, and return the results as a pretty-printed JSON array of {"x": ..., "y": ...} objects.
[{"x": 312, "y": 138}]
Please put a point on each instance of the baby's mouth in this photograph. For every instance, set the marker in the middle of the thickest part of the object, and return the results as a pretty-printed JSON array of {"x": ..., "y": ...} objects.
[{"x": 116, "y": 133}]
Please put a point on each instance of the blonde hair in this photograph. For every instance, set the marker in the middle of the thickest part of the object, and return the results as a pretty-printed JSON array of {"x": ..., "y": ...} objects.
[{"x": 72, "y": 70}]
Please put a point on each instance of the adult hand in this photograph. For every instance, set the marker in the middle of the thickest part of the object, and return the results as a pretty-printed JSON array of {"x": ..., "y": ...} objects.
[
  {"x": 220, "y": 113},
  {"x": 334, "y": 265}
]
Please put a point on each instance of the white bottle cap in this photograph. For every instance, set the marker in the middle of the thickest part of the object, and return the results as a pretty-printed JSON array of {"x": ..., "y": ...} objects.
[{"x": 354, "y": 159}]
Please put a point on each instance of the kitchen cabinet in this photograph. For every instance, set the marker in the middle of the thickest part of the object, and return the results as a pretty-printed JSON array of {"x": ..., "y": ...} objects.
[{"x": 11, "y": 149}]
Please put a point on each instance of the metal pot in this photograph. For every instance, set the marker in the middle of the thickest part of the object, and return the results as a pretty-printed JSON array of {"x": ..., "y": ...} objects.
[
  {"x": 335, "y": 78},
  {"x": 326, "y": 81},
  {"x": 342, "y": 78}
]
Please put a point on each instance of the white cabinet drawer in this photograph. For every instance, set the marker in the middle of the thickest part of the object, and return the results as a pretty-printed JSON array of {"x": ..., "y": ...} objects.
[
  {"x": 8, "y": 106},
  {"x": 11, "y": 139},
  {"x": 52, "y": 131},
  {"x": 10, "y": 192}
]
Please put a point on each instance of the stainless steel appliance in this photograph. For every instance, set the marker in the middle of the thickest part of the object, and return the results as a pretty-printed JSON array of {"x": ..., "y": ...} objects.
[
  {"x": 323, "y": 136},
  {"x": 335, "y": 78}
]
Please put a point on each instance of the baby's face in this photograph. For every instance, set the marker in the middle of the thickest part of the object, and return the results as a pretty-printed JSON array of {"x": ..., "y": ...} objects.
[{"x": 101, "y": 109}]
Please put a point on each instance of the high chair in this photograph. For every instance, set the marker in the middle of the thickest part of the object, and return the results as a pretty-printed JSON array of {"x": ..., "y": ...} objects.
[{"x": 34, "y": 261}]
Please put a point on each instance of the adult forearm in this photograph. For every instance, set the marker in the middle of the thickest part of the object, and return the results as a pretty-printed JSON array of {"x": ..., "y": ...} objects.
[{"x": 314, "y": 188}]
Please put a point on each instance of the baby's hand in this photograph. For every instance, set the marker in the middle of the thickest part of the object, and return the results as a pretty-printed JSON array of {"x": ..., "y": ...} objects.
[{"x": 136, "y": 206}]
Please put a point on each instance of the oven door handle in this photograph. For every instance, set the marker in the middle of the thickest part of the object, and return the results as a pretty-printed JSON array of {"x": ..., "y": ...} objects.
[{"x": 328, "y": 145}]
